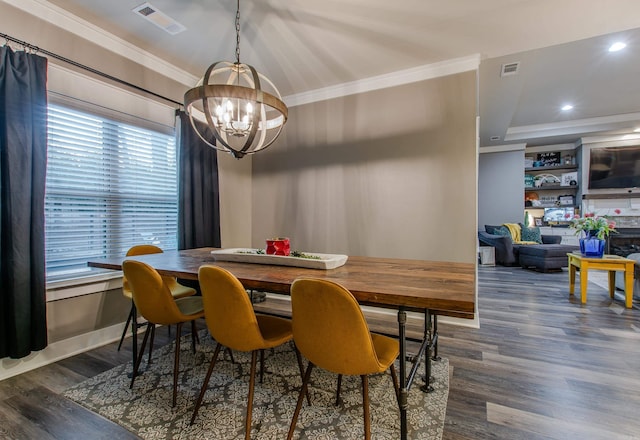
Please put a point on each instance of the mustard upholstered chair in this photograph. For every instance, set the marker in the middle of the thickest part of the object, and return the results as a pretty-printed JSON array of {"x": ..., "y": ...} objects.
[
  {"x": 177, "y": 291},
  {"x": 155, "y": 303},
  {"x": 330, "y": 330},
  {"x": 233, "y": 323}
]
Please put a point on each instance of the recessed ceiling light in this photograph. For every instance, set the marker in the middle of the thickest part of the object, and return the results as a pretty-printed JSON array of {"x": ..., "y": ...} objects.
[
  {"x": 618, "y": 45},
  {"x": 566, "y": 107}
]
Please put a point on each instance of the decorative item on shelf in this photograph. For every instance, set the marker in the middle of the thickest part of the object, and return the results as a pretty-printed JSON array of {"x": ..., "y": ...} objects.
[
  {"x": 545, "y": 179},
  {"x": 278, "y": 246},
  {"x": 569, "y": 160},
  {"x": 566, "y": 200},
  {"x": 569, "y": 179},
  {"x": 530, "y": 197},
  {"x": 241, "y": 108},
  {"x": 528, "y": 161},
  {"x": 594, "y": 229},
  {"x": 550, "y": 159},
  {"x": 529, "y": 181},
  {"x": 548, "y": 201}
]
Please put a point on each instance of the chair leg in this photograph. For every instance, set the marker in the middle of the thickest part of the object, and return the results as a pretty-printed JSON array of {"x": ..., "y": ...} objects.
[
  {"x": 396, "y": 385},
  {"x": 126, "y": 326},
  {"x": 301, "y": 368},
  {"x": 205, "y": 384},
  {"x": 194, "y": 335},
  {"x": 153, "y": 336},
  {"x": 303, "y": 390},
  {"x": 230, "y": 352},
  {"x": 365, "y": 407},
  {"x": 134, "y": 334},
  {"x": 176, "y": 363},
  {"x": 338, "y": 389},
  {"x": 261, "y": 365},
  {"x": 252, "y": 384},
  {"x": 139, "y": 360}
]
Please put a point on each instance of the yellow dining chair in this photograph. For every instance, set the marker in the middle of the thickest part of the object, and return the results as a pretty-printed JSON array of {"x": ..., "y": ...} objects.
[
  {"x": 155, "y": 303},
  {"x": 177, "y": 291},
  {"x": 233, "y": 323},
  {"x": 330, "y": 330}
]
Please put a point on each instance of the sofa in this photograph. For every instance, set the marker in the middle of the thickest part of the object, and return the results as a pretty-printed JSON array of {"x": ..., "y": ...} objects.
[
  {"x": 545, "y": 254},
  {"x": 636, "y": 279}
]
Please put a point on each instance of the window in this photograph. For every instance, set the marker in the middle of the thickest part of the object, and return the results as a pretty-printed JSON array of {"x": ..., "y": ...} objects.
[{"x": 109, "y": 186}]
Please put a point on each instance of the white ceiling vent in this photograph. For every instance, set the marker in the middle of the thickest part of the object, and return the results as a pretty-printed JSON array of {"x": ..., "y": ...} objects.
[
  {"x": 160, "y": 19},
  {"x": 510, "y": 69}
]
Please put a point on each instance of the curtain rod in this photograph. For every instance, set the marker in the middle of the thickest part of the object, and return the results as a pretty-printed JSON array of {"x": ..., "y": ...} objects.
[{"x": 87, "y": 68}]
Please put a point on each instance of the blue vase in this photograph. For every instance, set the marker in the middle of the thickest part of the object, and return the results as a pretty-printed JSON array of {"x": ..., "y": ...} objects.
[{"x": 591, "y": 246}]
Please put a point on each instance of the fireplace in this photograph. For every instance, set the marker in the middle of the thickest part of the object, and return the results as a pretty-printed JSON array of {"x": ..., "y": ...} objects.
[{"x": 625, "y": 242}]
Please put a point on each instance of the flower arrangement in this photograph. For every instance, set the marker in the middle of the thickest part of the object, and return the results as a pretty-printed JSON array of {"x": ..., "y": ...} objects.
[{"x": 602, "y": 226}]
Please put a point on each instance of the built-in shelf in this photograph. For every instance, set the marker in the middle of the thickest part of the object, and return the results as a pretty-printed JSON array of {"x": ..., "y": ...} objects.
[
  {"x": 551, "y": 187},
  {"x": 552, "y": 168},
  {"x": 550, "y": 206}
]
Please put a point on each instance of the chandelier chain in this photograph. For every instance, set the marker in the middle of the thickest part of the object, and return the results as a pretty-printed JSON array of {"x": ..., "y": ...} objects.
[{"x": 238, "y": 33}]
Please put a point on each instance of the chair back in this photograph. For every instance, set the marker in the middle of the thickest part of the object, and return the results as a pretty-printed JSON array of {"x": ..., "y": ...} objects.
[
  {"x": 329, "y": 328},
  {"x": 228, "y": 310},
  {"x": 146, "y": 249},
  {"x": 140, "y": 249},
  {"x": 151, "y": 295}
]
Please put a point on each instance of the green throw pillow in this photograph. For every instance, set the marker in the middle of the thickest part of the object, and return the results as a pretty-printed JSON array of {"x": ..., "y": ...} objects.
[
  {"x": 531, "y": 234},
  {"x": 502, "y": 230}
]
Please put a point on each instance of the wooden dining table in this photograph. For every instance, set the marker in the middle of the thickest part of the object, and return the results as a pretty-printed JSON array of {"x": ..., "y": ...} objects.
[{"x": 429, "y": 287}]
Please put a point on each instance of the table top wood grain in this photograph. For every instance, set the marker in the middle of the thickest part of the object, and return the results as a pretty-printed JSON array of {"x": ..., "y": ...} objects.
[{"x": 446, "y": 288}]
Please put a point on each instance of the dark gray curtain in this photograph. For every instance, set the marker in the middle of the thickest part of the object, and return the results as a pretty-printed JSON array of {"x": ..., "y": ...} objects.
[
  {"x": 198, "y": 194},
  {"x": 23, "y": 161}
]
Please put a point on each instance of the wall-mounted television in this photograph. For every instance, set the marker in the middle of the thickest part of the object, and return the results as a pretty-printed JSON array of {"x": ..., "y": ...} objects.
[{"x": 614, "y": 167}]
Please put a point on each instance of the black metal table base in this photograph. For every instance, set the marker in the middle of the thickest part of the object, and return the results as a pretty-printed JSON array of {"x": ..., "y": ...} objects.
[{"x": 429, "y": 344}]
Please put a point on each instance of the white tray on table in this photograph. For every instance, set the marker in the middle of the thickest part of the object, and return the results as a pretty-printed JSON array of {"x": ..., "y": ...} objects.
[{"x": 248, "y": 255}]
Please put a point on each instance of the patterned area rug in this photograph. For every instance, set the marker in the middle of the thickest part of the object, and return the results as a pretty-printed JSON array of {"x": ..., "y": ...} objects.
[{"x": 146, "y": 410}]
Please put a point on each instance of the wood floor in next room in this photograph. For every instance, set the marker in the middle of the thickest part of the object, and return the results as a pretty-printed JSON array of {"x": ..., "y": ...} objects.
[{"x": 541, "y": 366}]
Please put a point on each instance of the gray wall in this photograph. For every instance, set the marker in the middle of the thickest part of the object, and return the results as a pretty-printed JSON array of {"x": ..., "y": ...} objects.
[
  {"x": 500, "y": 188},
  {"x": 83, "y": 314},
  {"x": 389, "y": 173}
]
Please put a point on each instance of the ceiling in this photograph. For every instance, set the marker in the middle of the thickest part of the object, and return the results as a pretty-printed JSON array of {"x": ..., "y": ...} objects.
[{"x": 305, "y": 45}]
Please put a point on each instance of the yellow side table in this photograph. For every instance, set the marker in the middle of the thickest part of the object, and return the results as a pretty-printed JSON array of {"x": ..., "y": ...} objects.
[{"x": 610, "y": 263}]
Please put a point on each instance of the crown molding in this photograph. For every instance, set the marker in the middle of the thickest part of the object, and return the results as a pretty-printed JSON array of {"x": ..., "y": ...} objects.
[
  {"x": 502, "y": 148},
  {"x": 50, "y": 13},
  {"x": 553, "y": 147},
  {"x": 631, "y": 138},
  {"x": 393, "y": 79},
  {"x": 570, "y": 127}
]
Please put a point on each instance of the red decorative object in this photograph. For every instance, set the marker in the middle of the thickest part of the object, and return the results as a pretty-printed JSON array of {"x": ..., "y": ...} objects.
[{"x": 278, "y": 246}]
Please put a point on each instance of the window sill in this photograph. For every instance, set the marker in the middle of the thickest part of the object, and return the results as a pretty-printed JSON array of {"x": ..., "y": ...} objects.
[{"x": 86, "y": 284}]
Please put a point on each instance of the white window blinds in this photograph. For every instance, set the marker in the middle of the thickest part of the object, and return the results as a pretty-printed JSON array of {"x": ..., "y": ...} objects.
[{"x": 109, "y": 186}]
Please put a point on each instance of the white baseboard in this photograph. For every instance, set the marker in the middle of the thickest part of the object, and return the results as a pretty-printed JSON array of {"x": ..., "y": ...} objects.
[{"x": 60, "y": 350}]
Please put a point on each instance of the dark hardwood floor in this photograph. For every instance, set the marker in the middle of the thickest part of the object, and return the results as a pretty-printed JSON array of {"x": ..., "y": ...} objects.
[{"x": 541, "y": 366}]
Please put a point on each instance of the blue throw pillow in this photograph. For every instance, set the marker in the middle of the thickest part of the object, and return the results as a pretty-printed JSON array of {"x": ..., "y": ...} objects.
[{"x": 531, "y": 234}]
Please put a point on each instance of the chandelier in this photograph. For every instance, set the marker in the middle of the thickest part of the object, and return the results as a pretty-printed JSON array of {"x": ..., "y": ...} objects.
[{"x": 232, "y": 101}]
